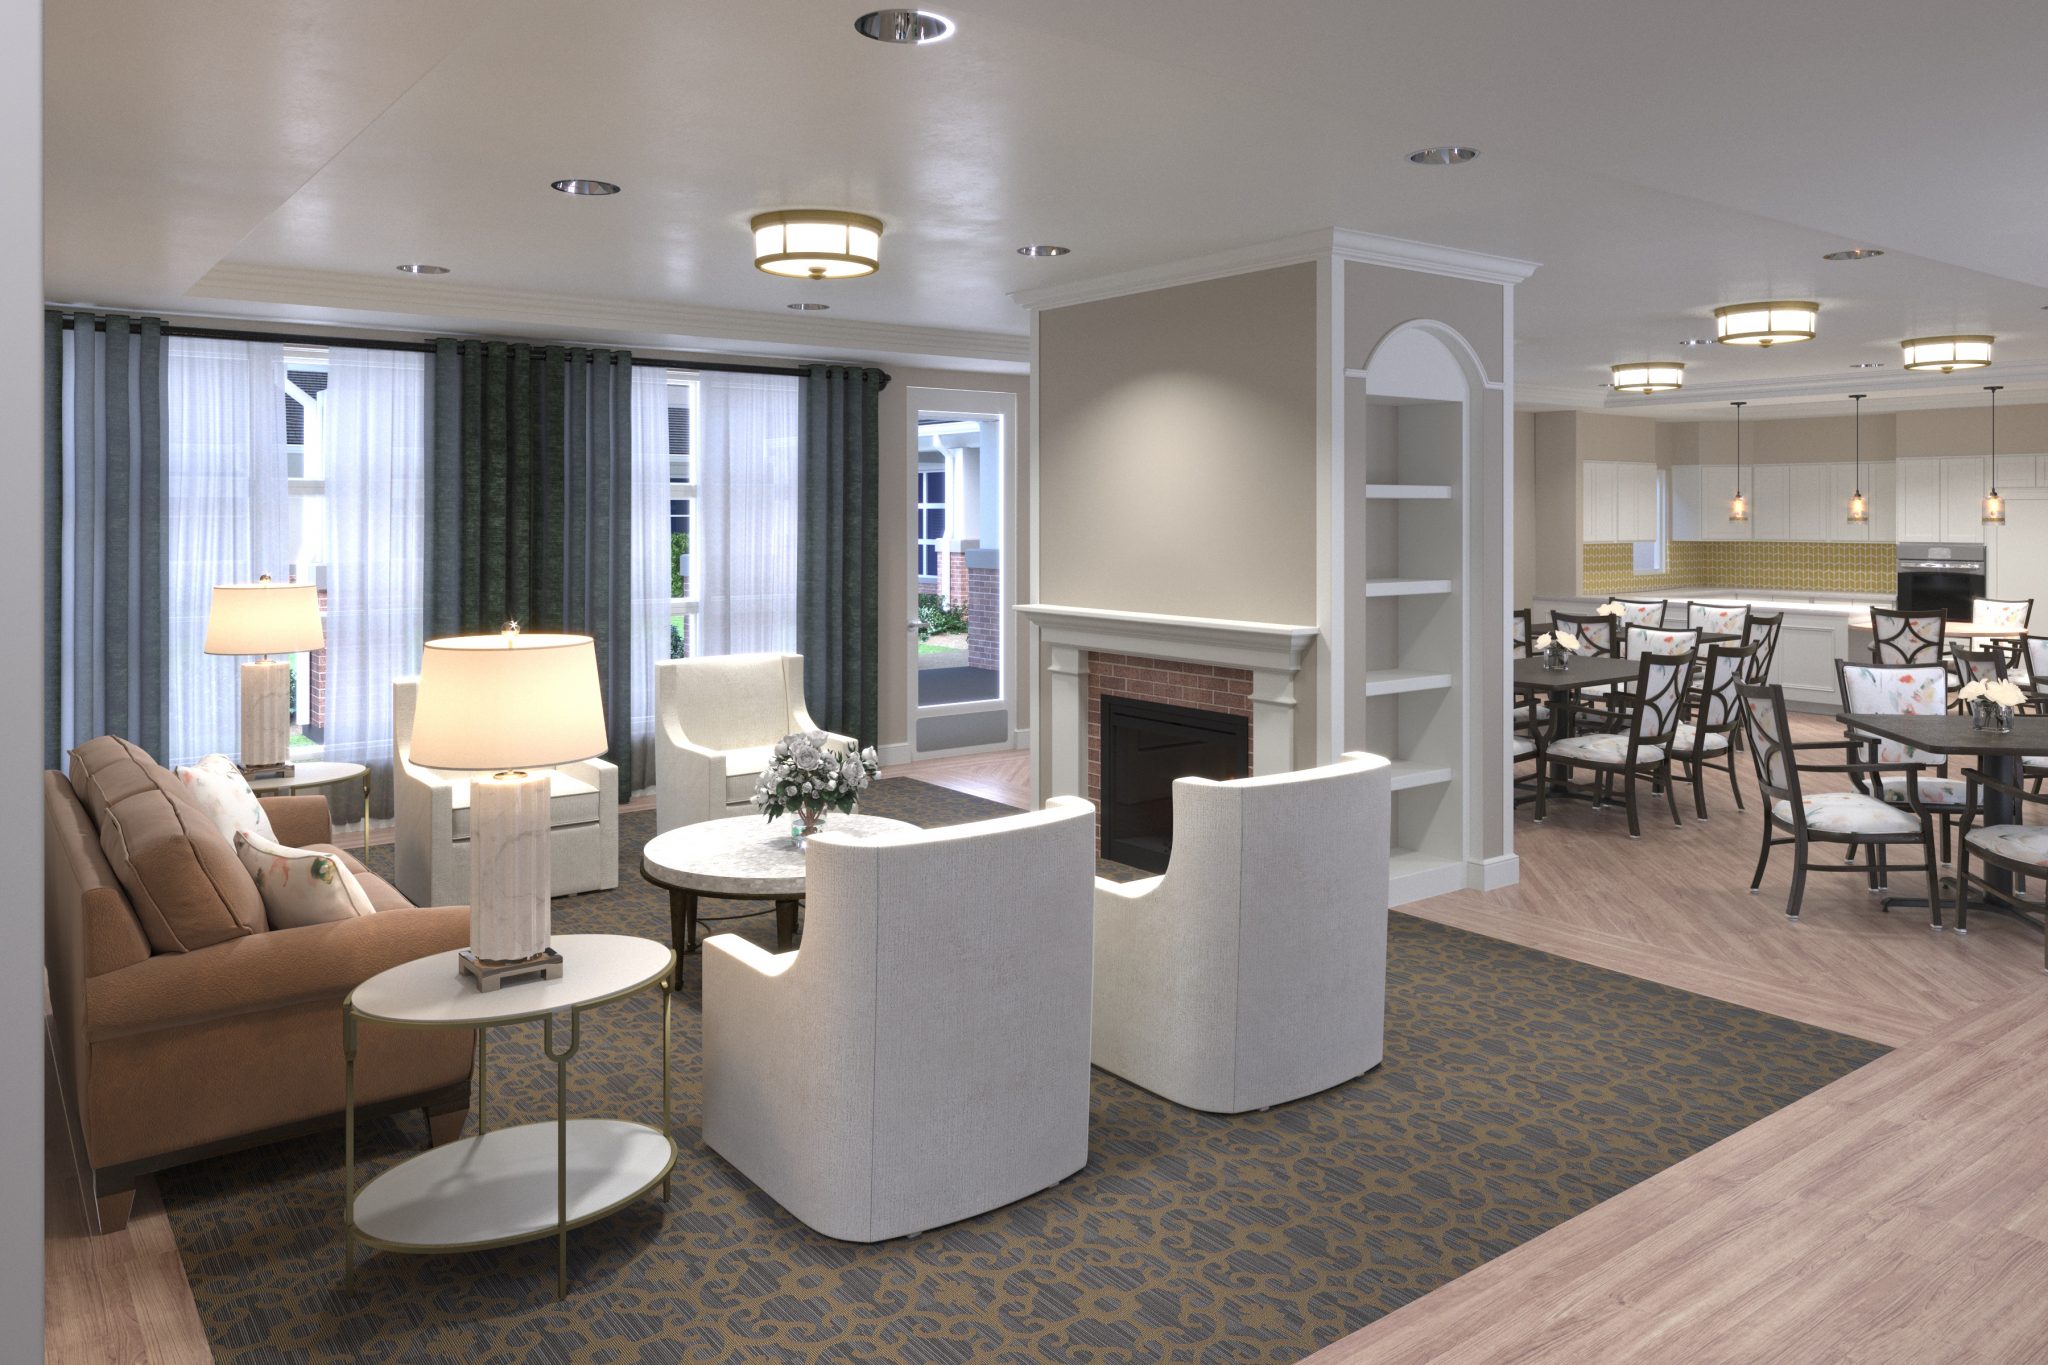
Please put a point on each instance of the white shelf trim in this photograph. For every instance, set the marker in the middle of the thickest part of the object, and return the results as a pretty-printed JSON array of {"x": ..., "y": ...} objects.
[
  {"x": 1409, "y": 773},
  {"x": 1407, "y": 587},
  {"x": 1387, "y": 682},
  {"x": 1407, "y": 490}
]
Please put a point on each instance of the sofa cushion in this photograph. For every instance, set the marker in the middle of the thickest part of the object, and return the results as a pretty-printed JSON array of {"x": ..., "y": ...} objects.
[
  {"x": 219, "y": 789},
  {"x": 571, "y": 801},
  {"x": 300, "y": 886},
  {"x": 743, "y": 769},
  {"x": 186, "y": 885}
]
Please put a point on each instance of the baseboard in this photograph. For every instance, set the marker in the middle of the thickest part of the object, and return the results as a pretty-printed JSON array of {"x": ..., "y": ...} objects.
[
  {"x": 1491, "y": 874},
  {"x": 893, "y": 755}
]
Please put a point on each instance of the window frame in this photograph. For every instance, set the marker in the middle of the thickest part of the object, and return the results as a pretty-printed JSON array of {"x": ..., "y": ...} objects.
[{"x": 690, "y": 605}]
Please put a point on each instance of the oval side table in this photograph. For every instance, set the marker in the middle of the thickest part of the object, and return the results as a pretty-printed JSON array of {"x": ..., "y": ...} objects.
[{"x": 491, "y": 1190}]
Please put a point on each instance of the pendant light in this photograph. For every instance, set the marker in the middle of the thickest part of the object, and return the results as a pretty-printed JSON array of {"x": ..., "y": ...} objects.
[
  {"x": 1994, "y": 505},
  {"x": 1738, "y": 506},
  {"x": 1859, "y": 507}
]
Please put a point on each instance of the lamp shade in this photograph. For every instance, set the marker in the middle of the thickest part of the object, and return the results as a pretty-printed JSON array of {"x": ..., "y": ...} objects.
[
  {"x": 1946, "y": 354},
  {"x": 817, "y": 244},
  {"x": 264, "y": 618},
  {"x": 1770, "y": 323},
  {"x": 496, "y": 702}
]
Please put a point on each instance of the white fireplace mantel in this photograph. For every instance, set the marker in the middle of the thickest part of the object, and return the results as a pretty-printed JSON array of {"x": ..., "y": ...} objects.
[{"x": 1272, "y": 652}]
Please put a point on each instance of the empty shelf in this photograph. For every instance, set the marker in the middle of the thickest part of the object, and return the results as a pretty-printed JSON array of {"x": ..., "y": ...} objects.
[
  {"x": 1406, "y": 587},
  {"x": 1410, "y": 772},
  {"x": 1385, "y": 682},
  {"x": 1407, "y": 490}
]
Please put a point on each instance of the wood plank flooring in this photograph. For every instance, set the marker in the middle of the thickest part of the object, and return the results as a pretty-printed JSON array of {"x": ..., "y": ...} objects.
[{"x": 1898, "y": 1214}]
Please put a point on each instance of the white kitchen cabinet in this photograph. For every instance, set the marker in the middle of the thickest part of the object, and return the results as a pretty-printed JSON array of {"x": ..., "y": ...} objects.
[
  {"x": 1597, "y": 488},
  {"x": 1688, "y": 502},
  {"x": 1917, "y": 493},
  {"x": 1962, "y": 498},
  {"x": 1770, "y": 507},
  {"x": 1717, "y": 485},
  {"x": 1877, "y": 494},
  {"x": 1806, "y": 502},
  {"x": 1619, "y": 501}
]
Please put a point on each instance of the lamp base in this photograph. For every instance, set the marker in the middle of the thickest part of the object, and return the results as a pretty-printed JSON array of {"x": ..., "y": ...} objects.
[
  {"x": 509, "y": 877},
  {"x": 545, "y": 964},
  {"x": 266, "y": 716}
]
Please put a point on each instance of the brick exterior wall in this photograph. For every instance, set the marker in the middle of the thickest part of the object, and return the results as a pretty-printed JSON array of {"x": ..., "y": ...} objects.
[
  {"x": 985, "y": 618},
  {"x": 956, "y": 577},
  {"x": 316, "y": 685},
  {"x": 1201, "y": 687}
]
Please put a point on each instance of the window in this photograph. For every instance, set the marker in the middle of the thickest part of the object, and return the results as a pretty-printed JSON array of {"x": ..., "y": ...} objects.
[
  {"x": 305, "y": 380},
  {"x": 684, "y": 602},
  {"x": 1650, "y": 554},
  {"x": 931, "y": 520}
]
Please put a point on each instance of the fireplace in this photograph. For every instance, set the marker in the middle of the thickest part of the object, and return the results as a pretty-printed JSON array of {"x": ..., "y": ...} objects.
[{"x": 1145, "y": 746}]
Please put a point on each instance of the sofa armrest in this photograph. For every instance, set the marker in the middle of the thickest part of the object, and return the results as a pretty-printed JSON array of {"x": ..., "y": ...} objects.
[
  {"x": 299, "y": 820},
  {"x": 600, "y": 773},
  {"x": 319, "y": 962}
]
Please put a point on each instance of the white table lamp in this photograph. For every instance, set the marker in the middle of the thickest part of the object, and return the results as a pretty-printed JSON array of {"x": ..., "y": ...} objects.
[
  {"x": 265, "y": 618},
  {"x": 499, "y": 705}
]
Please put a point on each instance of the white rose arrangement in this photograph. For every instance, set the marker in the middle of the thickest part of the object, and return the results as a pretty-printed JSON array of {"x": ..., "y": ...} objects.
[
  {"x": 1559, "y": 639},
  {"x": 1997, "y": 691},
  {"x": 1610, "y": 609},
  {"x": 807, "y": 776}
]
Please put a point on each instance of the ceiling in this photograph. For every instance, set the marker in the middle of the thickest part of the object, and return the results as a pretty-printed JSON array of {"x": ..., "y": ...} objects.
[{"x": 252, "y": 159}]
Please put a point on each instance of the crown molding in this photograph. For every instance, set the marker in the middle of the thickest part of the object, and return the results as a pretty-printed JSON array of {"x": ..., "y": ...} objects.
[
  {"x": 1898, "y": 390},
  {"x": 1341, "y": 243},
  {"x": 434, "y": 303}
]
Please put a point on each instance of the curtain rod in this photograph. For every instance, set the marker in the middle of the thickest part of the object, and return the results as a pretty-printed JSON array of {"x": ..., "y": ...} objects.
[{"x": 359, "y": 343}]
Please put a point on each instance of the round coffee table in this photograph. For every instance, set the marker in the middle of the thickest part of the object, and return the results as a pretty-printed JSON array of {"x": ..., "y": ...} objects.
[{"x": 745, "y": 858}]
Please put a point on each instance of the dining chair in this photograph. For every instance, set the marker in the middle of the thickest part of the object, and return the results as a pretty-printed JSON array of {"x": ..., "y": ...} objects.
[
  {"x": 2001, "y": 613},
  {"x": 1974, "y": 665},
  {"x": 1903, "y": 690},
  {"x": 1529, "y": 740},
  {"x": 1641, "y": 611},
  {"x": 1595, "y": 633},
  {"x": 1907, "y": 637},
  {"x": 1762, "y": 631},
  {"x": 1655, "y": 705},
  {"x": 1708, "y": 739},
  {"x": 1719, "y": 618},
  {"x": 1850, "y": 817},
  {"x": 1656, "y": 640},
  {"x": 1519, "y": 633},
  {"x": 2021, "y": 849}
]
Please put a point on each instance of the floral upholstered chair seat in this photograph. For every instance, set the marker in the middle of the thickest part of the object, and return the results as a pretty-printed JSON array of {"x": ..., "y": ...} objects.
[
  {"x": 2015, "y": 843},
  {"x": 1688, "y": 736},
  {"x": 1905, "y": 690},
  {"x": 1524, "y": 746},
  {"x": 1608, "y": 748},
  {"x": 1526, "y": 714},
  {"x": 1849, "y": 813}
]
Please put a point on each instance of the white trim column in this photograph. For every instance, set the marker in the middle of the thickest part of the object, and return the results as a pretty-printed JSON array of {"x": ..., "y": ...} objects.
[{"x": 1065, "y": 724}]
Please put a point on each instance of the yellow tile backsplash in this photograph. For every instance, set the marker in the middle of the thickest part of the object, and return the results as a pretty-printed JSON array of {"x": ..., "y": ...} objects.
[{"x": 1787, "y": 565}]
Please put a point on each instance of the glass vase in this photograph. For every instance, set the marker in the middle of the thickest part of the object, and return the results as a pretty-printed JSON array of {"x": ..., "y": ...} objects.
[
  {"x": 1989, "y": 715},
  {"x": 1556, "y": 659}
]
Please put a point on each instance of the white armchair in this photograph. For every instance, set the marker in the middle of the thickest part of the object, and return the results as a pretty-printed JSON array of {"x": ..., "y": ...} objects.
[
  {"x": 715, "y": 720},
  {"x": 1254, "y": 972},
  {"x": 924, "y": 1056},
  {"x": 432, "y": 826}
]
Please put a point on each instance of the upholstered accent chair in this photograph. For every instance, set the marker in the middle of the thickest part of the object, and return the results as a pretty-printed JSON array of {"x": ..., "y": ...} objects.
[
  {"x": 715, "y": 721},
  {"x": 1763, "y": 631},
  {"x": 2021, "y": 849},
  {"x": 1654, "y": 706},
  {"x": 431, "y": 831},
  {"x": 1908, "y": 637},
  {"x": 184, "y": 1025},
  {"x": 1718, "y": 618},
  {"x": 1641, "y": 611},
  {"x": 1254, "y": 971},
  {"x": 1851, "y": 818},
  {"x": 1708, "y": 739},
  {"x": 923, "y": 1057}
]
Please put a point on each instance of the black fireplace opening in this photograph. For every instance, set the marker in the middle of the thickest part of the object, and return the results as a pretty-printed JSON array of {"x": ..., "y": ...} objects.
[{"x": 1145, "y": 746}]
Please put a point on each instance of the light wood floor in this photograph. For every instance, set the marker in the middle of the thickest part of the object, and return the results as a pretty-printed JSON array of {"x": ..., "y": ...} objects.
[{"x": 1898, "y": 1214}]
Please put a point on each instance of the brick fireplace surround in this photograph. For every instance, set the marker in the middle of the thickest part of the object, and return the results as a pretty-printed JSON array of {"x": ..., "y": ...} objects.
[{"x": 1201, "y": 687}]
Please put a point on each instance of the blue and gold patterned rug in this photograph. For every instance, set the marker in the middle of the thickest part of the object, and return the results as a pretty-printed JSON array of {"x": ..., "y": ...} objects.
[{"x": 1518, "y": 1089}]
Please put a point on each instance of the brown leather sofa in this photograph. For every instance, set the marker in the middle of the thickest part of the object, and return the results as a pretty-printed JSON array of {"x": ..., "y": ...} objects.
[{"x": 186, "y": 1027}]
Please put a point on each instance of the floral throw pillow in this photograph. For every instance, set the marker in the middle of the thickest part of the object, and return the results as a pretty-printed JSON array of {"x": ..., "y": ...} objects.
[
  {"x": 300, "y": 886},
  {"x": 223, "y": 793}
]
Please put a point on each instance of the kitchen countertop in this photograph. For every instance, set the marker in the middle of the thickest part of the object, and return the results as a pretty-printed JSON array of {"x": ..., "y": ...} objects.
[{"x": 1849, "y": 605}]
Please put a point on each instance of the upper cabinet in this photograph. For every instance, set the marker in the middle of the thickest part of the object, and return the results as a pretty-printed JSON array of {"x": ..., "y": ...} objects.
[
  {"x": 1802, "y": 502},
  {"x": 1688, "y": 502},
  {"x": 1619, "y": 501},
  {"x": 1941, "y": 498},
  {"x": 1770, "y": 501}
]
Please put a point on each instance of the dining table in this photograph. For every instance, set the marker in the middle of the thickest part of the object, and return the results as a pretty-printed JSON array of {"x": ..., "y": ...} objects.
[
  {"x": 1534, "y": 677},
  {"x": 2001, "y": 755}
]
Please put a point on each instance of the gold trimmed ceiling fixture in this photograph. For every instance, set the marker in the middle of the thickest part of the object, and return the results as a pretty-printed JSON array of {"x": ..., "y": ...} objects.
[
  {"x": 1859, "y": 506},
  {"x": 1774, "y": 322},
  {"x": 1738, "y": 506},
  {"x": 1946, "y": 354},
  {"x": 1648, "y": 376},
  {"x": 1994, "y": 505},
  {"x": 817, "y": 244}
]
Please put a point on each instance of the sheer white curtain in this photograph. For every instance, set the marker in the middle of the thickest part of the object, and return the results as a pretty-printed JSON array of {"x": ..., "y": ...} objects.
[
  {"x": 226, "y": 519},
  {"x": 743, "y": 538},
  {"x": 373, "y": 420},
  {"x": 650, "y": 555}
]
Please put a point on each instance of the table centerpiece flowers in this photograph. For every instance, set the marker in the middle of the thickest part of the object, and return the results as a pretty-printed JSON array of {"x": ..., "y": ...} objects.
[
  {"x": 1991, "y": 702},
  {"x": 809, "y": 778},
  {"x": 1557, "y": 646}
]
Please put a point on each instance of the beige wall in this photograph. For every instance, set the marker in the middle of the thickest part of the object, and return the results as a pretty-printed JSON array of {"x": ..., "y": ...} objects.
[
  {"x": 1177, "y": 449},
  {"x": 1553, "y": 530},
  {"x": 1523, "y": 585},
  {"x": 898, "y": 605}
]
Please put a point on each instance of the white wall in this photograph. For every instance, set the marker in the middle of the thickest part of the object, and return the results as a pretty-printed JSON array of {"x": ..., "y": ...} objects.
[{"x": 21, "y": 727}]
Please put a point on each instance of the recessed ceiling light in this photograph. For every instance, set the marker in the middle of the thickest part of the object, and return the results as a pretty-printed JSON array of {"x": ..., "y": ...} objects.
[
  {"x": 597, "y": 188},
  {"x": 1854, "y": 253},
  {"x": 1868, "y": 365},
  {"x": 808, "y": 307},
  {"x": 1042, "y": 249},
  {"x": 910, "y": 27},
  {"x": 1697, "y": 341},
  {"x": 415, "y": 268},
  {"x": 1443, "y": 156}
]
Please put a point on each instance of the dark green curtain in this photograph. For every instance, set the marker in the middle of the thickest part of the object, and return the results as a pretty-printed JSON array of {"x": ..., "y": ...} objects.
[
  {"x": 105, "y": 591},
  {"x": 529, "y": 502},
  {"x": 838, "y": 555}
]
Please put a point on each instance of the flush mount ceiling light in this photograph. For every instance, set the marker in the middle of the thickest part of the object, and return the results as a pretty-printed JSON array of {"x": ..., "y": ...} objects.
[
  {"x": 1946, "y": 354},
  {"x": 415, "y": 268},
  {"x": 596, "y": 188},
  {"x": 817, "y": 244},
  {"x": 1773, "y": 322},
  {"x": 1854, "y": 253},
  {"x": 1648, "y": 376},
  {"x": 1443, "y": 156},
  {"x": 808, "y": 307},
  {"x": 1042, "y": 249},
  {"x": 910, "y": 27}
]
